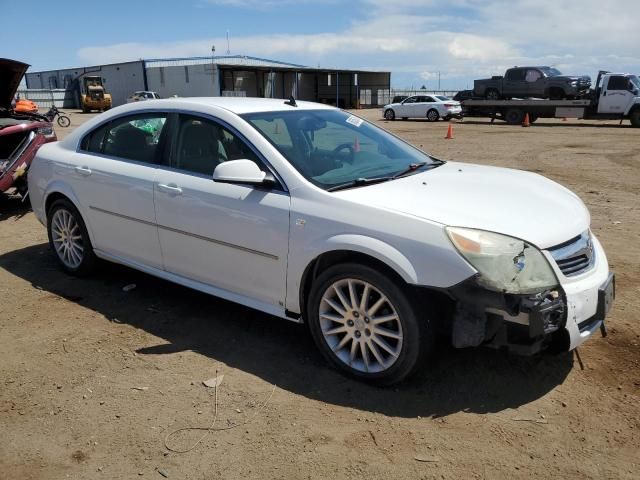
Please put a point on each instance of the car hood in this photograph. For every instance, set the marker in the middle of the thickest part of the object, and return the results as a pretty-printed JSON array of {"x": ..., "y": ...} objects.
[
  {"x": 11, "y": 73},
  {"x": 512, "y": 202}
]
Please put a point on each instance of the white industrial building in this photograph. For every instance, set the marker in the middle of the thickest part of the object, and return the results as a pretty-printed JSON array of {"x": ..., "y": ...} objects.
[{"x": 223, "y": 76}]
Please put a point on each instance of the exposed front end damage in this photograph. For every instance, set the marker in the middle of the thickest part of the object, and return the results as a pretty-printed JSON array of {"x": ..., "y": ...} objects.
[{"x": 523, "y": 324}]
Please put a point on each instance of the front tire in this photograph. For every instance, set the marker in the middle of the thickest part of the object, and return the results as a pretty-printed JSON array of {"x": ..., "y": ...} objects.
[
  {"x": 492, "y": 94},
  {"x": 634, "y": 117},
  {"x": 68, "y": 238},
  {"x": 390, "y": 115},
  {"x": 365, "y": 324}
]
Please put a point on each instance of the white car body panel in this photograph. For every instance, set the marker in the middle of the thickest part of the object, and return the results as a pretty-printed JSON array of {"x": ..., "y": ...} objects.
[
  {"x": 419, "y": 109},
  {"x": 252, "y": 246}
]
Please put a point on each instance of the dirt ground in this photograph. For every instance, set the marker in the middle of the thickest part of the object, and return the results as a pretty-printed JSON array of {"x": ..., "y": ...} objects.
[{"x": 93, "y": 378}]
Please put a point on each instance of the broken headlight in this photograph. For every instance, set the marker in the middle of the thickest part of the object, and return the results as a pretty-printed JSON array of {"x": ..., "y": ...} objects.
[{"x": 505, "y": 264}]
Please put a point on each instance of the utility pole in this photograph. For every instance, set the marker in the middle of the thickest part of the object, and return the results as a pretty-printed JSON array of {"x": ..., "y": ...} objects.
[
  {"x": 438, "y": 80},
  {"x": 228, "y": 46}
]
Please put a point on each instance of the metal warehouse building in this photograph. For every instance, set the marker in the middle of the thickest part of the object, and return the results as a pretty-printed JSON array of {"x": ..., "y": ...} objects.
[{"x": 223, "y": 76}]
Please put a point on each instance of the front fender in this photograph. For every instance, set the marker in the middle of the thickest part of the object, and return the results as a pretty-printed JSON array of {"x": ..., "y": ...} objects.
[{"x": 372, "y": 247}]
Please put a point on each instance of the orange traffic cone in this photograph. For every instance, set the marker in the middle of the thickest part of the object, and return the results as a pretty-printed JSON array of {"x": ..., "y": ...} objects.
[
  {"x": 356, "y": 145},
  {"x": 526, "y": 122},
  {"x": 449, "y": 132}
]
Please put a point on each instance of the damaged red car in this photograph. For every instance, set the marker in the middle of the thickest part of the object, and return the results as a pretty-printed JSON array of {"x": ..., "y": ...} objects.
[{"x": 21, "y": 134}]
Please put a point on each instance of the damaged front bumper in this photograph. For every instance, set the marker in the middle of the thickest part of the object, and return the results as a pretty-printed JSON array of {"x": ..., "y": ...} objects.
[{"x": 565, "y": 316}]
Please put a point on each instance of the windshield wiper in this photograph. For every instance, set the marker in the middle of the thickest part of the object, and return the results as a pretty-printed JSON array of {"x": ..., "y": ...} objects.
[
  {"x": 415, "y": 166},
  {"x": 358, "y": 182}
]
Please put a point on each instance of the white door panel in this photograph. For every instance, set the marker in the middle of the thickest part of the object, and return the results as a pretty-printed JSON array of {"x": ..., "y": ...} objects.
[
  {"x": 117, "y": 198},
  {"x": 234, "y": 237}
]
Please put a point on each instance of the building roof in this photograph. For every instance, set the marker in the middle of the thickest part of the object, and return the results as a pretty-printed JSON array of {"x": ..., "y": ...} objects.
[{"x": 232, "y": 60}]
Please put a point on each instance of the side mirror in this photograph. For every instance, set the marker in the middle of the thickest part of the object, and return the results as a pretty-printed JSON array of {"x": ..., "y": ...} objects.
[{"x": 241, "y": 171}]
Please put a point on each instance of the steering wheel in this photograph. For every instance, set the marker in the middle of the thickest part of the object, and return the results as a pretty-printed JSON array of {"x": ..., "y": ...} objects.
[{"x": 345, "y": 146}]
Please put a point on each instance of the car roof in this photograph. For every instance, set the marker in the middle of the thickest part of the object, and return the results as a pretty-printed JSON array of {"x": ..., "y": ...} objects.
[{"x": 237, "y": 105}]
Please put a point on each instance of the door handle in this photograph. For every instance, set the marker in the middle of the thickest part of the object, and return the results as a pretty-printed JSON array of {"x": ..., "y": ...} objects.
[
  {"x": 84, "y": 171},
  {"x": 171, "y": 189}
]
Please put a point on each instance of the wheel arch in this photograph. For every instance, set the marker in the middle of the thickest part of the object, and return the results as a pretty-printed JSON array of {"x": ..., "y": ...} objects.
[
  {"x": 356, "y": 249},
  {"x": 59, "y": 191}
]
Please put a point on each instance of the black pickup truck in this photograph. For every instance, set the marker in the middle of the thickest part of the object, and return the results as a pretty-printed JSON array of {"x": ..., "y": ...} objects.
[{"x": 532, "y": 82}]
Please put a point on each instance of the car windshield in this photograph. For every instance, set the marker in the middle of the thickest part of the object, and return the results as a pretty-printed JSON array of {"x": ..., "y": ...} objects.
[
  {"x": 635, "y": 80},
  {"x": 551, "y": 72},
  {"x": 442, "y": 97},
  {"x": 332, "y": 148}
]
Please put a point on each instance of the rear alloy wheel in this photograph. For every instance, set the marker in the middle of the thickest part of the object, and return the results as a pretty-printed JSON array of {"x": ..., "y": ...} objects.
[
  {"x": 492, "y": 94},
  {"x": 69, "y": 239},
  {"x": 365, "y": 325},
  {"x": 390, "y": 114},
  {"x": 433, "y": 115}
]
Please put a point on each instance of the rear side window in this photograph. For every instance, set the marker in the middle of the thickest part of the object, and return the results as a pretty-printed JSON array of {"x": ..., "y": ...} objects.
[
  {"x": 134, "y": 137},
  {"x": 94, "y": 141},
  {"x": 515, "y": 74}
]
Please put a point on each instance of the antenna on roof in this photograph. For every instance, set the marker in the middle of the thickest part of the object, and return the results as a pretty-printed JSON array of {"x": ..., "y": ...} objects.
[{"x": 291, "y": 102}]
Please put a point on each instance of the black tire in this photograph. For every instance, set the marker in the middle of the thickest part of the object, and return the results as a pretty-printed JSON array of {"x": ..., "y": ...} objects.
[
  {"x": 405, "y": 118},
  {"x": 634, "y": 117},
  {"x": 532, "y": 118},
  {"x": 514, "y": 116},
  {"x": 417, "y": 336},
  {"x": 63, "y": 121},
  {"x": 389, "y": 114},
  {"x": 433, "y": 115},
  {"x": 88, "y": 258},
  {"x": 492, "y": 94},
  {"x": 85, "y": 110}
]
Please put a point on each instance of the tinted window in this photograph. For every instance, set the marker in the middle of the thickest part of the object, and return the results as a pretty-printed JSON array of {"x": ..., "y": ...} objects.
[
  {"x": 515, "y": 74},
  {"x": 411, "y": 100},
  {"x": 201, "y": 145},
  {"x": 94, "y": 141},
  {"x": 134, "y": 137},
  {"x": 618, "y": 83},
  {"x": 533, "y": 76}
]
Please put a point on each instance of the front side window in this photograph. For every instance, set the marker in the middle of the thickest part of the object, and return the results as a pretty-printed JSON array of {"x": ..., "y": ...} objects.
[
  {"x": 533, "y": 76},
  {"x": 618, "y": 83},
  {"x": 201, "y": 145},
  {"x": 332, "y": 148}
]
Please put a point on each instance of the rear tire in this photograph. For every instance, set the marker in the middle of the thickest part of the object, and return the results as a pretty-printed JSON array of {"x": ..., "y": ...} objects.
[
  {"x": 513, "y": 116},
  {"x": 68, "y": 238},
  {"x": 634, "y": 117},
  {"x": 433, "y": 115},
  {"x": 344, "y": 328},
  {"x": 492, "y": 94},
  {"x": 389, "y": 114},
  {"x": 557, "y": 94}
]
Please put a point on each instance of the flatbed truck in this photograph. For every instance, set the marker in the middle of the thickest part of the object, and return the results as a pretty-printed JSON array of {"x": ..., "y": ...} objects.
[{"x": 616, "y": 97}]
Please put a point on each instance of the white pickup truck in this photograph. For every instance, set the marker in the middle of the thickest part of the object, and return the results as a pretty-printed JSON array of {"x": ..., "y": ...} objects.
[{"x": 615, "y": 97}]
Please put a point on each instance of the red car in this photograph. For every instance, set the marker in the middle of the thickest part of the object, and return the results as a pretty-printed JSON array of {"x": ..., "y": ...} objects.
[{"x": 21, "y": 134}]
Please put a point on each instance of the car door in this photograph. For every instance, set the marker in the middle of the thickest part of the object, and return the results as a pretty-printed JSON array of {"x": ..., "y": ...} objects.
[
  {"x": 113, "y": 177},
  {"x": 535, "y": 83},
  {"x": 616, "y": 95},
  {"x": 233, "y": 237},
  {"x": 405, "y": 109},
  {"x": 421, "y": 106},
  {"x": 513, "y": 84}
]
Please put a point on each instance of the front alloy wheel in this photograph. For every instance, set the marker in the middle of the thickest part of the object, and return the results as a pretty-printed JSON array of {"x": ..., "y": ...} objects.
[
  {"x": 365, "y": 324},
  {"x": 360, "y": 325},
  {"x": 390, "y": 115}
]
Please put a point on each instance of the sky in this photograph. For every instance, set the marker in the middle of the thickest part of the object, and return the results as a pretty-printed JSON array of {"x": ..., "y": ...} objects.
[{"x": 416, "y": 40}]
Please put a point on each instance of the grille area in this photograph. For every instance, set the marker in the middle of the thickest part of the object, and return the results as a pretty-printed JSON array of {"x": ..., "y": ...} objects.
[{"x": 575, "y": 256}]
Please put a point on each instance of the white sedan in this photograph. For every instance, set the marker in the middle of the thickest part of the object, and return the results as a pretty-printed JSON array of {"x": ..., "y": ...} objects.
[
  {"x": 431, "y": 107},
  {"x": 141, "y": 96},
  {"x": 309, "y": 213}
]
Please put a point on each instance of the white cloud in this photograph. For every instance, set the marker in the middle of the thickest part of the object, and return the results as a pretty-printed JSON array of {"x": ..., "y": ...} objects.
[{"x": 415, "y": 38}]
